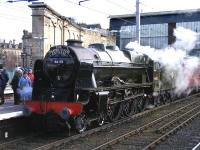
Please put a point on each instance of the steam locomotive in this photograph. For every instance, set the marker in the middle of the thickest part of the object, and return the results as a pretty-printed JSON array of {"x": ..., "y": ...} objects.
[{"x": 75, "y": 86}]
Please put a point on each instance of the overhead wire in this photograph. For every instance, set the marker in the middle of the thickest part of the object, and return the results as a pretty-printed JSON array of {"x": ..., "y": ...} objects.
[
  {"x": 95, "y": 10},
  {"x": 120, "y": 6},
  {"x": 98, "y": 11},
  {"x": 92, "y": 9},
  {"x": 89, "y": 8}
]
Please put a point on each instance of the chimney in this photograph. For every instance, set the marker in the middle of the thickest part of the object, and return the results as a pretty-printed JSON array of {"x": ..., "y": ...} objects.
[{"x": 75, "y": 43}]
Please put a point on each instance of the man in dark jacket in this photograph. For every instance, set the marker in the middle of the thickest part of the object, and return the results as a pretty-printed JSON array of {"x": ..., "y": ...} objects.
[
  {"x": 3, "y": 82},
  {"x": 1, "y": 92},
  {"x": 15, "y": 83}
]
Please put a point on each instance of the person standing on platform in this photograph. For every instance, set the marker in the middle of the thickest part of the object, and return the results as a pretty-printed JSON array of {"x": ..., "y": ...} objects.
[
  {"x": 4, "y": 80},
  {"x": 1, "y": 92},
  {"x": 14, "y": 83},
  {"x": 25, "y": 89},
  {"x": 31, "y": 76}
]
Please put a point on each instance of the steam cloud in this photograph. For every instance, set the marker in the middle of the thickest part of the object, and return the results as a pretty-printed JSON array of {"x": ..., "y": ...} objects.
[{"x": 178, "y": 66}]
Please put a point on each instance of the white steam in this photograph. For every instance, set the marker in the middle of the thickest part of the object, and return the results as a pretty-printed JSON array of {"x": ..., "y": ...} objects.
[
  {"x": 185, "y": 39},
  {"x": 174, "y": 58}
]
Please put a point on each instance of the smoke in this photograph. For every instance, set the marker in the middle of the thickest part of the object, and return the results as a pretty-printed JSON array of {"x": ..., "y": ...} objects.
[
  {"x": 179, "y": 68},
  {"x": 185, "y": 39}
]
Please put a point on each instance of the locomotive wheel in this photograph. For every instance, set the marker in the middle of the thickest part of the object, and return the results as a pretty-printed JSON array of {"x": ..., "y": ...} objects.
[
  {"x": 157, "y": 100},
  {"x": 80, "y": 123},
  {"x": 173, "y": 96},
  {"x": 164, "y": 99},
  {"x": 133, "y": 107},
  {"x": 101, "y": 119},
  {"x": 169, "y": 98},
  {"x": 140, "y": 104},
  {"x": 114, "y": 112},
  {"x": 126, "y": 108}
]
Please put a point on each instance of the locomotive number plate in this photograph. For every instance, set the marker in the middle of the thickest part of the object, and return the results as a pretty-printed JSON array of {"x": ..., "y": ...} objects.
[{"x": 58, "y": 61}]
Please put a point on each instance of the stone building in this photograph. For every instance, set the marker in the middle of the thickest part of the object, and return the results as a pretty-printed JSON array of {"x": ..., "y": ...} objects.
[
  {"x": 49, "y": 28},
  {"x": 10, "y": 54},
  {"x": 27, "y": 49}
]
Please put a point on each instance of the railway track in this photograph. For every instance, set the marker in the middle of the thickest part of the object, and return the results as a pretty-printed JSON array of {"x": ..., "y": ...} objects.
[
  {"x": 97, "y": 137},
  {"x": 155, "y": 132},
  {"x": 140, "y": 139},
  {"x": 152, "y": 134},
  {"x": 186, "y": 138}
]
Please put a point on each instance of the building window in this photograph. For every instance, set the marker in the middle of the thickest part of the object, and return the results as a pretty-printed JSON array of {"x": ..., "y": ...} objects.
[{"x": 154, "y": 35}]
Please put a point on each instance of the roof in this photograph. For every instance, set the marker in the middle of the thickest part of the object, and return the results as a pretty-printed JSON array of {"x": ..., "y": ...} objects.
[{"x": 188, "y": 11}]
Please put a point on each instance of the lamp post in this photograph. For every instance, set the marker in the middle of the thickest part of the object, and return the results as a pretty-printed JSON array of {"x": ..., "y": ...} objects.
[
  {"x": 138, "y": 21},
  {"x": 40, "y": 45},
  {"x": 23, "y": 56}
]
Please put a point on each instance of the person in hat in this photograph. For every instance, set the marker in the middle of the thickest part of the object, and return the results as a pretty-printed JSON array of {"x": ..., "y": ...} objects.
[
  {"x": 31, "y": 75},
  {"x": 14, "y": 83},
  {"x": 25, "y": 89}
]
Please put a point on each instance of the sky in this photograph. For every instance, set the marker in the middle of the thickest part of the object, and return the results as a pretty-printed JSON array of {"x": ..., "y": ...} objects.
[{"x": 15, "y": 17}]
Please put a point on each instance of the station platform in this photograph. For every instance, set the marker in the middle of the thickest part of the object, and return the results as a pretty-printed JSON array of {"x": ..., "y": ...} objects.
[{"x": 8, "y": 110}]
